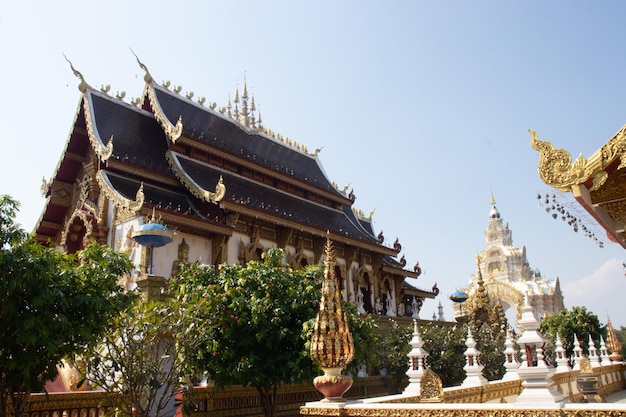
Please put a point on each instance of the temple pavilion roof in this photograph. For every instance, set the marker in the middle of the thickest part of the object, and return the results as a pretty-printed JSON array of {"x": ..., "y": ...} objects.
[{"x": 197, "y": 164}]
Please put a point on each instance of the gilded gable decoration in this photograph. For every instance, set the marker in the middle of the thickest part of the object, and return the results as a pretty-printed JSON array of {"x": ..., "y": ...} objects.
[
  {"x": 122, "y": 203},
  {"x": 556, "y": 167},
  {"x": 104, "y": 152},
  {"x": 194, "y": 187},
  {"x": 173, "y": 132}
]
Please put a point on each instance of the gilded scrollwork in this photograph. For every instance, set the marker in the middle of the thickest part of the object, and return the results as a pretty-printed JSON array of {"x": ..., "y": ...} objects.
[
  {"x": 211, "y": 197},
  {"x": 556, "y": 167},
  {"x": 123, "y": 204},
  {"x": 103, "y": 152},
  {"x": 173, "y": 131}
]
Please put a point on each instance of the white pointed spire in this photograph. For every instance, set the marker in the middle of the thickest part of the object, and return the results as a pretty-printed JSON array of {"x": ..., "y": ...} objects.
[
  {"x": 473, "y": 370},
  {"x": 417, "y": 362},
  {"x": 562, "y": 363},
  {"x": 510, "y": 361},
  {"x": 535, "y": 374},
  {"x": 593, "y": 354},
  {"x": 604, "y": 353},
  {"x": 578, "y": 353}
]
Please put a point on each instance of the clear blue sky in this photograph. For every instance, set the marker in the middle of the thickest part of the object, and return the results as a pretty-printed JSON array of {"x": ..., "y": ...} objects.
[{"x": 422, "y": 107}]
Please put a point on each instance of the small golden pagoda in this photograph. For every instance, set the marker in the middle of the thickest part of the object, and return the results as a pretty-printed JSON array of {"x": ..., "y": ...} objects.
[
  {"x": 612, "y": 342},
  {"x": 332, "y": 346}
]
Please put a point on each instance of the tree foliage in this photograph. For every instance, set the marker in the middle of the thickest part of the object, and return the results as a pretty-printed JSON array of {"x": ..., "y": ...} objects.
[
  {"x": 249, "y": 322},
  {"x": 577, "y": 321},
  {"x": 445, "y": 346},
  {"x": 136, "y": 361},
  {"x": 393, "y": 350},
  {"x": 51, "y": 305}
]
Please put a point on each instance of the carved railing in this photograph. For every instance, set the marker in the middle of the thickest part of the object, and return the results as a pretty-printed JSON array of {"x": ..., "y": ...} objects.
[
  {"x": 244, "y": 401},
  {"x": 67, "y": 404}
]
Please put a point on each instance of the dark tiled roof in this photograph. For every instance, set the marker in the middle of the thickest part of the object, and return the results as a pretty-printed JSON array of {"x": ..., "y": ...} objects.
[
  {"x": 154, "y": 196},
  {"x": 216, "y": 131},
  {"x": 275, "y": 203},
  {"x": 137, "y": 137}
]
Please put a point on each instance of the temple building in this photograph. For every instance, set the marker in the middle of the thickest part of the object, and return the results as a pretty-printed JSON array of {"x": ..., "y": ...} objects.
[
  {"x": 504, "y": 278},
  {"x": 228, "y": 187}
]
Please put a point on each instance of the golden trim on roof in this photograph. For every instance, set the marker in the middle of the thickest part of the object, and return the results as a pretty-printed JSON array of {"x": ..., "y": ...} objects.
[
  {"x": 104, "y": 152},
  {"x": 194, "y": 187},
  {"x": 555, "y": 165},
  {"x": 119, "y": 200},
  {"x": 173, "y": 132},
  {"x": 557, "y": 169}
]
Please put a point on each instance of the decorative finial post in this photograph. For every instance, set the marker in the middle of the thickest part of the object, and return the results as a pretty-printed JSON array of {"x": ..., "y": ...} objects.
[
  {"x": 562, "y": 364},
  {"x": 473, "y": 370},
  {"x": 332, "y": 346},
  {"x": 417, "y": 363},
  {"x": 510, "y": 361},
  {"x": 578, "y": 353},
  {"x": 593, "y": 354},
  {"x": 604, "y": 353},
  {"x": 535, "y": 374}
]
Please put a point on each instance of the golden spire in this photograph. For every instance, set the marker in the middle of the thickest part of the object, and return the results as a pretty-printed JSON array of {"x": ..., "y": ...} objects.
[
  {"x": 612, "y": 341},
  {"x": 332, "y": 345}
]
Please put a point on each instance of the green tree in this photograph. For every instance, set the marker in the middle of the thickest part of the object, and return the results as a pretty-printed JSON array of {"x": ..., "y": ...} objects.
[
  {"x": 137, "y": 362},
  {"x": 51, "y": 305},
  {"x": 394, "y": 349},
  {"x": 250, "y": 318},
  {"x": 365, "y": 337},
  {"x": 567, "y": 323},
  {"x": 490, "y": 343},
  {"x": 445, "y": 346}
]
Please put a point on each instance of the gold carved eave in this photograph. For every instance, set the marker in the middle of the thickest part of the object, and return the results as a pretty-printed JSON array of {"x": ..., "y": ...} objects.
[
  {"x": 557, "y": 169},
  {"x": 119, "y": 200},
  {"x": 194, "y": 187},
  {"x": 103, "y": 151},
  {"x": 233, "y": 207},
  {"x": 173, "y": 131}
]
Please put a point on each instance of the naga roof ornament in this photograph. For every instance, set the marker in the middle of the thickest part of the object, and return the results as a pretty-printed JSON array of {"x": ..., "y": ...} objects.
[
  {"x": 104, "y": 152},
  {"x": 211, "y": 197},
  {"x": 173, "y": 131},
  {"x": 557, "y": 169}
]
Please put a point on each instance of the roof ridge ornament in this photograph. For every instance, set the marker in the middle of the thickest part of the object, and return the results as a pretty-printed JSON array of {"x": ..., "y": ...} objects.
[
  {"x": 556, "y": 167},
  {"x": 83, "y": 85},
  {"x": 147, "y": 77}
]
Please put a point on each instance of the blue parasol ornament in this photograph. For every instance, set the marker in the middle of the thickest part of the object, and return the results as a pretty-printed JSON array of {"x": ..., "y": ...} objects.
[{"x": 153, "y": 235}]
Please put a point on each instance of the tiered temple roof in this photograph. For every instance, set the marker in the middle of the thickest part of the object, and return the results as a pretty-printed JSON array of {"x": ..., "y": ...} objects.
[{"x": 202, "y": 168}]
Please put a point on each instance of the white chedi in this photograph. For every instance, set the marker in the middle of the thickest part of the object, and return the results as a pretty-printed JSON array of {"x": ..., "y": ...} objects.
[
  {"x": 417, "y": 363},
  {"x": 473, "y": 370}
]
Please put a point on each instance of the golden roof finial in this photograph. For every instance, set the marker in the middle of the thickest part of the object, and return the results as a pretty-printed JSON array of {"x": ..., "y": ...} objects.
[
  {"x": 147, "y": 77},
  {"x": 83, "y": 86}
]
